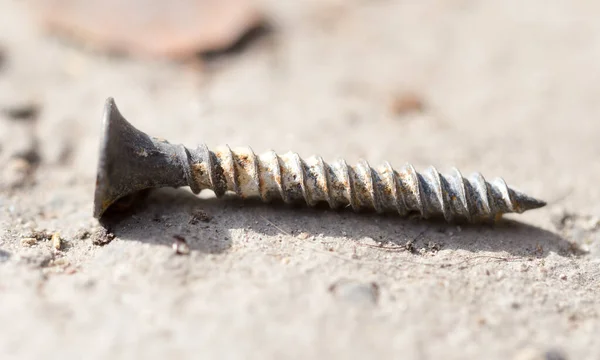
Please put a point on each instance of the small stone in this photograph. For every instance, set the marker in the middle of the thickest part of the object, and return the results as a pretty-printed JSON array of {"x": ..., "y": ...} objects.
[
  {"x": 199, "y": 215},
  {"x": 180, "y": 246},
  {"x": 56, "y": 241},
  {"x": 410, "y": 247},
  {"x": 303, "y": 236},
  {"x": 28, "y": 241},
  {"x": 563, "y": 276},
  {"x": 433, "y": 246},
  {"x": 60, "y": 262},
  {"x": 40, "y": 235},
  {"x": 101, "y": 236}
]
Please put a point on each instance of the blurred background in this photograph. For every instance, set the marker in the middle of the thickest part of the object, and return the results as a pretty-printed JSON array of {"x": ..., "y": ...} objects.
[
  {"x": 504, "y": 88},
  {"x": 508, "y": 88}
]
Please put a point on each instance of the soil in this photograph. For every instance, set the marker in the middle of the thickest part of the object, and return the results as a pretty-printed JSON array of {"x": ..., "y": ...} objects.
[{"x": 511, "y": 89}]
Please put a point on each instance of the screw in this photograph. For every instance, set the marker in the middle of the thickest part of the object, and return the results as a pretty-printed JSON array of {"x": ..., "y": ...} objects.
[{"x": 131, "y": 161}]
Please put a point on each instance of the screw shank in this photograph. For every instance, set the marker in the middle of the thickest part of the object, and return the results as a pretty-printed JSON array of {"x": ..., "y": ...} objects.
[{"x": 269, "y": 176}]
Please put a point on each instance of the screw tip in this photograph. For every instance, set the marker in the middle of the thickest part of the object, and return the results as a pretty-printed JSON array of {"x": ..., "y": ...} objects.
[
  {"x": 525, "y": 202},
  {"x": 110, "y": 101}
]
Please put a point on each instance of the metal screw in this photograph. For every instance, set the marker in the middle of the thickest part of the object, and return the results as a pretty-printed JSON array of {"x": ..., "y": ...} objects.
[{"x": 131, "y": 161}]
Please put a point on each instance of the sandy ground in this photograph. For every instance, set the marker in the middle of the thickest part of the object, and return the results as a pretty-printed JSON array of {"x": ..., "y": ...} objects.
[{"x": 510, "y": 88}]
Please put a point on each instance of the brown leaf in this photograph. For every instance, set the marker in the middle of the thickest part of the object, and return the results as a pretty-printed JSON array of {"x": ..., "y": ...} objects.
[{"x": 175, "y": 28}]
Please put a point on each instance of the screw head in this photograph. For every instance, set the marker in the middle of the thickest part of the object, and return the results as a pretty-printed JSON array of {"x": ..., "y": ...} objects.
[
  {"x": 102, "y": 195},
  {"x": 131, "y": 161}
]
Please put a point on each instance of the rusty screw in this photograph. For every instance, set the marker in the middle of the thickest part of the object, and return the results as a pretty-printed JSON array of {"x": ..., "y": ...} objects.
[{"x": 131, "y": 161}]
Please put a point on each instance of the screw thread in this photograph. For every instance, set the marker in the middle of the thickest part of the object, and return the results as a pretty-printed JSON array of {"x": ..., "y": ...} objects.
[{"x": 288, "y": 177}]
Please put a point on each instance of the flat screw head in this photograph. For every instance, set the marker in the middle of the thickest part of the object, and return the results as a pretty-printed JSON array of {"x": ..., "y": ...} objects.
[{"x": 130, "y": 161}]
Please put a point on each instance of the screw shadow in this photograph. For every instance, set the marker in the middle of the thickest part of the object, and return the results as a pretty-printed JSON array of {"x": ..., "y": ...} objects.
[
  {"x": 163, "y": 217},
  {"x": 163, "y": 213}
]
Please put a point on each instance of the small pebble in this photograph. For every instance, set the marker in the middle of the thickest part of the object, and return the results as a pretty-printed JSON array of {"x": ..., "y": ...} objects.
[
  {"x": 101, "y": 236},
  {"x": 56, "y": 241},
  {"x": 40, "y": 235},
  {"x": 433, "y": 246},
  {"x": 200, "y": 215},
  {"x": 410, "y": 247},
  {"x": 303, "y": 236},
  {"x": 28, "y": 241},
  {"x": 61, "y": 262},
  {"x": 180, "y": 246}
]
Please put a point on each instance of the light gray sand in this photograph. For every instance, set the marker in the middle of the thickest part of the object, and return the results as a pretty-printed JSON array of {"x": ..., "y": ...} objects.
[{"x": 511, "y": 89}]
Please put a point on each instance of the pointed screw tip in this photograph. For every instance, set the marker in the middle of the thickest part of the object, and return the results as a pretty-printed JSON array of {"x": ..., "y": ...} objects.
[{"x": 526, "y": 202}]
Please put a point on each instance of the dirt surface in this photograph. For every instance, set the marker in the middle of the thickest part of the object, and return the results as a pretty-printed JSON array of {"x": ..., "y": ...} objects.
[{"x": 508, "y": 88}]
